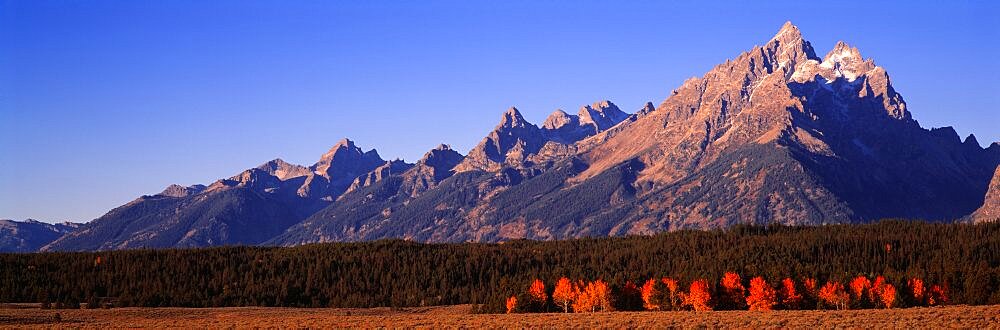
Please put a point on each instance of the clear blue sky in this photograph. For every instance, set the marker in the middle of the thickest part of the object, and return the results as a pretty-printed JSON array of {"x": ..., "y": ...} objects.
[{"x": 103, "y": 101}]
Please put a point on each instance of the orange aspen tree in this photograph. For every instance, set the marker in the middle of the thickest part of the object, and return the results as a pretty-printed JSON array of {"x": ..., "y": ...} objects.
[
  {"x": 602, "y": 295},
  {"x": 876, "y": 290},
  {"x": 860, "y": 287},
  {"x": 674, "y": 293},
  {"x": 790, "y": 297},
  {"x": 698, "y": 297},
  {"x": 887, "y": 295},
  {"x": 537, "y": 293},
  {"x": 649, "y": 295},
  {"x": 564, "y": 294},
  {"x": 511, "y": 304},
  {"x": 917, "y": 289},
  {"x": 734, "y": 294},
  {"x": 584, "y": 302},
  {"x": 596, "y": 295},
  {"x": 762, "y": 296},
  {"x": 833, "y": 294}
]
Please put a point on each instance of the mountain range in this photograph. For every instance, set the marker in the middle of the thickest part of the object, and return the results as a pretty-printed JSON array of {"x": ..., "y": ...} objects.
[{"x": 777, "y": 134}]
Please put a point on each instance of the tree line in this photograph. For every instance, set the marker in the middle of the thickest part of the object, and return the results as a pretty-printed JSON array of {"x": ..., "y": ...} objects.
[
  {"x": 731, "y": 293},
  {"x": 963, "y": 259}
]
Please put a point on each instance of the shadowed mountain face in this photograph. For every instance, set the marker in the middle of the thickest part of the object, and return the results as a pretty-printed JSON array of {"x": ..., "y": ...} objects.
[
  {"x": 248, "y": 208},
  {"x": 30, "y": 235},
  {"x": 777, "y": 134}
]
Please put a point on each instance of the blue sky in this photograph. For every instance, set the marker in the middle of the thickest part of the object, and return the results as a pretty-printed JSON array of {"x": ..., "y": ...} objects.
[{"x": 103, "y": 101}]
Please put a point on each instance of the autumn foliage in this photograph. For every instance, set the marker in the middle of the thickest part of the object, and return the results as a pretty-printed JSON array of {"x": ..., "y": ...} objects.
[
  {"x": 917, "y": 289},
  {"x": 762, "y": 296},
  {"x": 887, "y": 295},
  {"x": 733, "y": 292},
  {"x": 651, "y": 295},
  {"x": 860, "y": 287},
  {"x": 564, "y": 294},
  {"x": 537, "y": 293},
  {"x": 789, "y": 295},
  {"x": 699, "y": 297},
  {"x": 595, "y": 296},
  {"x": 832, "y": 294},
  {"x": 665, "y": 294},
  {"x": 672, "y": 300},
  {"x": 877, "y": 286}
]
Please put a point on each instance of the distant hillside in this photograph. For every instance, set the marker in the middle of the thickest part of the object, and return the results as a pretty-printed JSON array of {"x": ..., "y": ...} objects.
[{"x": 30, "y": 235}]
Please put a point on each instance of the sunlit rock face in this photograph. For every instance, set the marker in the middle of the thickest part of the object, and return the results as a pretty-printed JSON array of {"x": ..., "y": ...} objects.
[{"x": 990, "y": 211}]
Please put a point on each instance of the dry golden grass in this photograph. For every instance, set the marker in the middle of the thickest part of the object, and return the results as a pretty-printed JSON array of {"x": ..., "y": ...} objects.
[{"x": 12, "y": 316}]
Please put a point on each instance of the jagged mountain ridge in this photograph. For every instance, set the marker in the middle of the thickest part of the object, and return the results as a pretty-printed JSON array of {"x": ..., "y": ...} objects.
[
  {"x": 777, "y": 134},
  {"x": 248, "y": 208},
  {"x": 838, "y": 119},
  {"x": 591, "y": 119}
]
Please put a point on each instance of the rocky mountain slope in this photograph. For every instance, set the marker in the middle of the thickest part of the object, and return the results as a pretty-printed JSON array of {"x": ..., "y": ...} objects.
[
  {"x": 990, "y": 211},
  {"x": 248, "y": 208},
  {"x": 777, "y": 134},
  {"x": 30, "y": 235}
]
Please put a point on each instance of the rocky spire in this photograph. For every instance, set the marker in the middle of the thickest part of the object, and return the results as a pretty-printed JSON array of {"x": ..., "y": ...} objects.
[
  {"x": 342, "y": 147},
  {"x": 559, "y": 119},
  {"x": 513, "y": 118},
  {"x": 877, "y": 86},
  {"x": 283, "y": 170},
  {"x": 972, "y": 142},
  {"x": 646, "y": 109},
  {"x": 510, "y": 142},
  {"x": 842, "y": 52},
  {"x": 346, "y": 157},
  {"x": 789, "y": 48},
  {"x": 439, "y": 162},
  {"x": 442, "y": 155},
  {"x": 990, "y": 211},
  {"x": 602, "y": 114},
  {"x": 592, "y": 119},
  {"x": 846, "y": 62},
  {"x": 787, "y": 32}
]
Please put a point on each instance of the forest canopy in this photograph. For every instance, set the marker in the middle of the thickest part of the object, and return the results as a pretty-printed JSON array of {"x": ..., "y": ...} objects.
[{"x": 963, "y": 258}]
